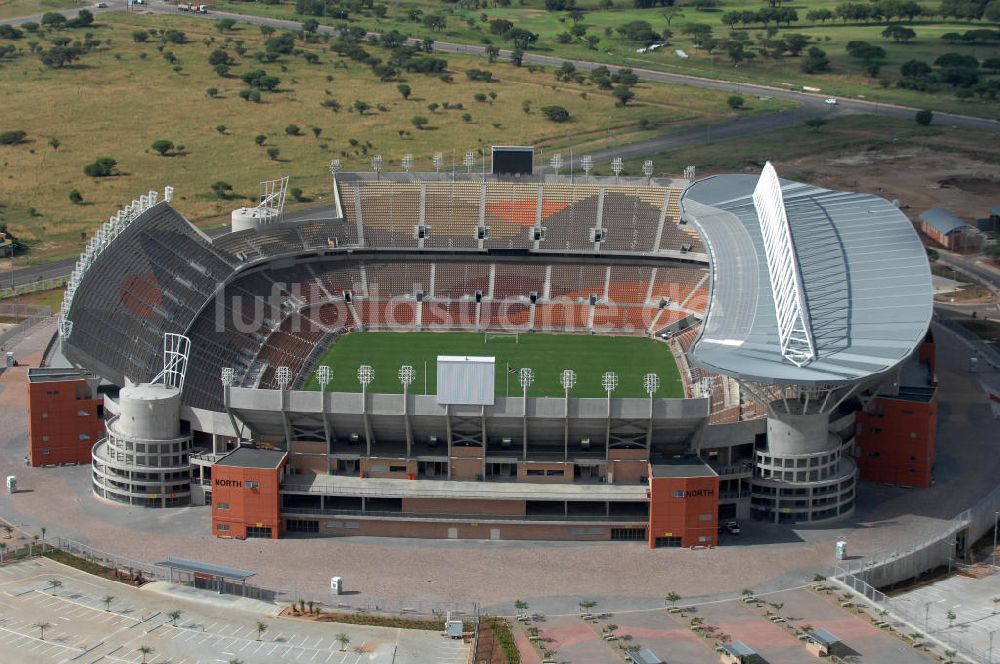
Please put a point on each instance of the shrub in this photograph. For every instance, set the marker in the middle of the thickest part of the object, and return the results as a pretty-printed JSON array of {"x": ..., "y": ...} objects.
[
  {"x": 221, "y": 128},
  {"x": 556, "y": 113},
  {"x": 272, "y": 154},
  {"x": 12, "y": 137},
  {"x": 140, "y": 36},
  {"x": 735, "y": 102},
  {"x": 75, "y": 197},
  {"x": 55, "y": 143},
  {"x": 331, "y": 104},
  {"x": 480, "y": 97},
  {"x": 317, "y": 131},
  {"x": 212, "y": 92},
  {"x": 163, "y": 146},
  {"x": 101, "y": 168},
  {"x": 259, "y": 139},
  {"x": 296, "y": 193},
  {"x": 467, "y": 117},
  {"x": 404, "y": 90},
  {"x": 293, "y": 130},
  {"x": 419, "y": 121},
  {"x": 53, "y": 20},
  {"x": 222, "y": 189},
  {"x": 924, "y": 117},
  {"x": 623, "y": 95}
]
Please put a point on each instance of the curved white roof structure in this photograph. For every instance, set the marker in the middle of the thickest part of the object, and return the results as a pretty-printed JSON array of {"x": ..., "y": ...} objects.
[{"x": 809, "y": 286}]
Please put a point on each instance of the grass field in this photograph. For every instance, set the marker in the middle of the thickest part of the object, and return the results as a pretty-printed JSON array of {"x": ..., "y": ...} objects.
[
  {"x": 123, "y": 96},
  {"x": 547, "y": 354},
  {"x": 846, "y": 78},
  {"x": 14, "y": 8}
]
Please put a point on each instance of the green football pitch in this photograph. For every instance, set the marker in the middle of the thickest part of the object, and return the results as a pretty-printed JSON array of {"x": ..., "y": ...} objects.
[{"x": 547, "y": 354}]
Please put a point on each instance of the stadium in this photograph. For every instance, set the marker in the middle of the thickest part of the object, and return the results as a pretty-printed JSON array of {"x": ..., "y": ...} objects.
[{"x": 507, "y": 355}]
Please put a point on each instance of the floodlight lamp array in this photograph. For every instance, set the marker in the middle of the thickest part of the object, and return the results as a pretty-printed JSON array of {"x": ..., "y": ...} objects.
[
  {"x": 366, "y": 374},
  {"x": 568, "y": 379},
  {"x": 284, "y": 376},
  {"x": 587, "y": 163},
  {"x": 100, "y": 241},
  {"x": 228, "y": 373},
  {"x": 469, "y": 161},
  {"x": 377, "y": 163},
  {"x": 616, "y": 166},
  {"x": 438, "y": 161},
  {"x": 323, "y": 375},
  {"x": 651, "y": 383},
  {"x": 407, "y": 162},
  {"x": 556, "y": 162},
  {"x": 526, "y": 376},
  {"x": 609, "y": 381},
  {"x": 407, "y": 374},
  {"x": 647, "y": 168},
  {"x": 335, "y": 167}
]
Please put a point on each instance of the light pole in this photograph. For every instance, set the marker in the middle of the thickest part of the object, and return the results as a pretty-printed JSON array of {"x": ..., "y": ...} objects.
[
  {"x": 616, "y": 166},
  {"x": 284, "y": 376},
  {"x": 568, "y": 380},
  {"x": 406, "y": 376},
  {"x": 469, "y": 161},
  {"x": 587, "y": 163},
  {"x": 556, "y": 162},
  {"x": 323, "y": 376},
  {"x": 996, "y": 515},
  {"x": 609, "y": 381},
  {"x": 407, "y": 162},
  {"x": 365, "y": 376},
  {"x": 437, "y": 161},
  {"x": 526, "y": 377},
  {"x": 651, "y": 383}
]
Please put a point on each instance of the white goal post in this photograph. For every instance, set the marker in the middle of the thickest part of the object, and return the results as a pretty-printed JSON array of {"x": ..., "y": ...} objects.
[{"x": 493, "y": 336}]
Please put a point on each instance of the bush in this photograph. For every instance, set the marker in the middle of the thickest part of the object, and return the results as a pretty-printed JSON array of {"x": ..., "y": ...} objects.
[
  {"x": 140, "y": 36},
  {"x": 924, "y": 117},
  {"x": 467, "y": 117},
  {"x": 75, "y": 197},
  {"x": 293, "y": 130},
  {"x": 735, "y": 102},
  {"x": 12, "y": 137},
  {"x": 623, "y": 95},
  {"x": 296, "y": 193},
  {"x": 419, "y": 121},
  {"x": 163, "y": 146},
  {"x": 222, "y": 189},
  {"x": 101, "y": 168},
  {"x": 556, "y": 113},
  {"x": 221, "y": 128},
  {"x": 259, "y": 139},
  {"x": 404, "y": 90},
  {"x": 53, "y": 20},
  {"x": 212, "y": 92},
  {"x": 272, "y": 154}
]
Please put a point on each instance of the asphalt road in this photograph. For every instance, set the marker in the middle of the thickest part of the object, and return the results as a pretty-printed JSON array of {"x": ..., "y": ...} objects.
[{"x": 809, "y": 105}]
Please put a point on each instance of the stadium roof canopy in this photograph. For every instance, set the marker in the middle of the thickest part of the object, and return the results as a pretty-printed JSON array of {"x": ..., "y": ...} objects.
[
  {"x": 942, "y": 220},
  {"x": 851, "y": 276}
]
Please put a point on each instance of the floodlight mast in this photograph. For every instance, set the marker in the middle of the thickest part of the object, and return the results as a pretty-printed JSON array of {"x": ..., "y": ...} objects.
[
  {"x": 647, "y": 169},
  {"x": 587, "y": 163},
  {"x": 568, "y": 379},
  {"x": 377, "y": 165},
  {"x": 335, "y": 167},
  {"x": 525, "y": 376},
  {"x": 616, "y": 166},
  {"x": 366, "y": 374},
  {"x": 176, "y": 351},
  {"x": 406, "y": 376},
  {"x": 651, "y": 383},
  {"x": 323, "y": 376},
  {"x": 556, "y": 162},
  {"x": 284, "y": 376},
  {"x": 227, "y": 376},
  {"x": 438, "y": 161},
  {"x": 609, "y": 381},
  {"x": 407, "y": 162},
  {"x": 469, "y": 161}
]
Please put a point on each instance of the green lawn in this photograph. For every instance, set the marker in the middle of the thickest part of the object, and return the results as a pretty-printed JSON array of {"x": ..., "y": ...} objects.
[
  {"x": 845, "y": 78},
  {"x": 547, "y": 354}
]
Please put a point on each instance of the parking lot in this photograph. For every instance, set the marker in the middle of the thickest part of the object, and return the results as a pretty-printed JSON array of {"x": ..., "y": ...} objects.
[{"x": 81, "y": 625}]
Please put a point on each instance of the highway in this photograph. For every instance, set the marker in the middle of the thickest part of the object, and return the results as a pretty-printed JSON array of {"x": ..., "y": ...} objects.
[{"x": 809, "y": 105}]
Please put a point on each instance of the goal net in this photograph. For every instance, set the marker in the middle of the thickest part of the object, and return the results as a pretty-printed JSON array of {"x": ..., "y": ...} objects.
[{"x": 500, "y": 336}]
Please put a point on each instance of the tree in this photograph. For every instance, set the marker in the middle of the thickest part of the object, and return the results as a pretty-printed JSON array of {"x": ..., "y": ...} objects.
[
  {"x": 899, "y": 33},
  {"x": 317, "y": 131},
  {"x": 924, "y": 117},
  {"x": 933, "y": 255},
  {"x": 108, "y": 599},
  {"x": 951, "y": 618},
  {"x": 259, "y": 139},
  {"x": 816, "y": 61},
  {"x": 146, "y": 652},
  {"x": 221, "y": 128},
  {"x": 673, "y": 598},
  {"x": 41, "y": 627},
  {"x": 53, "y": 20},
  {"x": 915, "y": 69},
  {"x": 174, "y": 616},
  {"x": 556, "y": 114},
  {"x": 75, "y": 197},
  {"x": 344, "y": 640},
  {"x": 12, "y": 137},
  {"x": 815, "y": 123},
  {"x": 992, "y": 64},
  {"x": 735, "y": 102},
  {"x": 101, "y": 168},
  {"x": 163, "y": 146},
  {"x": 221, "y": 189},
  {"x": 521, "y": 606},
  {"x": 296, "y": 193},
  {"x": 140, "y": 36},
  {"x": 361, "y": 106},
  {"x": 293, "y": 130},
  {"x": 405, "y": 90},
  {"x": 212, "y": 92},
  {"x": 3, "y": 551},
  {"x": 419, "y": 121},
  {"x": 623, "y": 95},
  {"x": 467, "y": 117},
  {"x": 55, "y": 143},
  {"x": 586, "y": 605},
  {"x": 261, "y": 628}
]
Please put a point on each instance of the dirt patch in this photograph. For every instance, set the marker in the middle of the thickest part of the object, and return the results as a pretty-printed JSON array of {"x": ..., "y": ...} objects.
[{"x": 973, "y": 185}]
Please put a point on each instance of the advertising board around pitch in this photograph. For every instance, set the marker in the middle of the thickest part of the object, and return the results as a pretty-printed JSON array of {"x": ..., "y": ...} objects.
[{"x": 465, "y": 380}]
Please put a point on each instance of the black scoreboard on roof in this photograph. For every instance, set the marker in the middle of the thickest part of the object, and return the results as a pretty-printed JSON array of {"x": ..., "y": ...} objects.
[{"x": 513, "y": 160}]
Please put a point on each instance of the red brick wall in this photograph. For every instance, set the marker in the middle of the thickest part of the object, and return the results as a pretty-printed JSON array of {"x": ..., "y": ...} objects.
[
  {"x": 55, "y": 423},
  {"x": 673, "y": 515},
  {"x": 896, "y": 441},
  {"x": 256, "y": 507}
]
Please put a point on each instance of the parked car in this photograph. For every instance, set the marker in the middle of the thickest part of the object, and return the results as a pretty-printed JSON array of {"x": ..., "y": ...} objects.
[
  {"x": 831, "y": 101},
  {"x": 733, "y": 528},
  {"x": 101, "y": 5}
]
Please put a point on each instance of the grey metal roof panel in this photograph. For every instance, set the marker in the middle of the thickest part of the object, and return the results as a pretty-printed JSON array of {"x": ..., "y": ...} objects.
[
  {"x": 864, "y": 272},
  {"x": 942, "y": 220},
  {"x": 195, "y": 567},
  {"x": 738, "y": 648},
  {"x": 824, "y": 636}
]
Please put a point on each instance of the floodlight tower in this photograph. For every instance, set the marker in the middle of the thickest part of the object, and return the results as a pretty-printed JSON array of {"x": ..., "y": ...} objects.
[
  {"x": 365, "y": 376},
  {"x": 283, "y": 376},
  {"x": 377, "y": 164},
  {"x": 616, "y": 166},
  {"x": 227, "y": 376},
  {"x": 525, "y": 376},
  {"x": 438, "y": 160},
  {"x": 406, "y": 376},
  {"x": 335, "y": 167},
  {"x": 407, "y": 162},
  {"x": 609, "y": 381},
  {"x": 647, "y": 169},
  {"x": 587, "y": 163},
  {"x": 323, "y": 377},
  {"x": 556, "y": 162},
  {"x": 650, "y": 383},
  {"x": 568, "y": 379},
  {"x": 469, "y": 161}
]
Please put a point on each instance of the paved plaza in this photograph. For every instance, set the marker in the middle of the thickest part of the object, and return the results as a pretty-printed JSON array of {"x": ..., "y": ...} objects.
[{"x": 83, "y": 627}]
